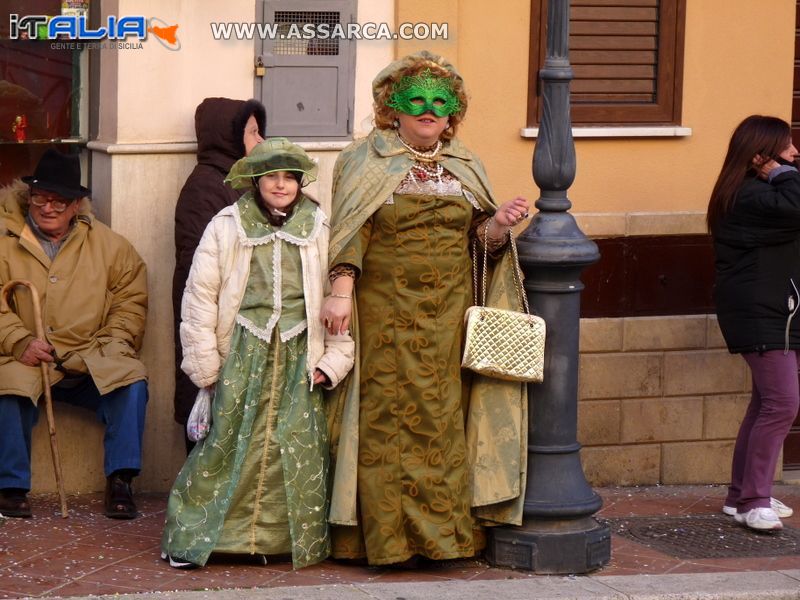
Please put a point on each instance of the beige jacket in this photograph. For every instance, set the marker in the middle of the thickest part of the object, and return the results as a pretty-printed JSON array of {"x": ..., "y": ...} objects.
[
  {"x": 216, "y": 286},
  {"x": 93, "y": 296}
]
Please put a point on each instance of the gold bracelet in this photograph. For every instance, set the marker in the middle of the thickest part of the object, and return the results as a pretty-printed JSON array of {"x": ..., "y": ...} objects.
[
  {"x": 500, "y": 239},
  {"x": 341, "y": 296}
]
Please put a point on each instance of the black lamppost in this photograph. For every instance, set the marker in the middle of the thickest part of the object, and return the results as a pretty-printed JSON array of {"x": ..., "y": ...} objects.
[{"x": 559, "y": 534}]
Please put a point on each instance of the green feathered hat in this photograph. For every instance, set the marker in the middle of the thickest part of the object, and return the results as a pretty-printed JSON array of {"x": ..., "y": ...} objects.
[{"x": 274, "y": 154}]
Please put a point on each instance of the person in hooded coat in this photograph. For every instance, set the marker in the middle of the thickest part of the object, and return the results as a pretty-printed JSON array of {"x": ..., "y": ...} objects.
[{"x": 226, "y": 131}]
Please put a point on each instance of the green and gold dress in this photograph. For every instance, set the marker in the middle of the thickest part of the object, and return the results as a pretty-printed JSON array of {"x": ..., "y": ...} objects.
[
  {"x": 429, "y": 448},
  {"x": 415, "y": 285},
  {"x": 258, "y": 483}
]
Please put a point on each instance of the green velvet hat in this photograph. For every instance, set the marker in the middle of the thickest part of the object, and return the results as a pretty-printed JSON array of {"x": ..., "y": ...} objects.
[{"x": 274, "y": 154}]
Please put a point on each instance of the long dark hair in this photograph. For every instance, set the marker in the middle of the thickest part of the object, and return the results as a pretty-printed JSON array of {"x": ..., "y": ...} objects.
[{"x": 756, "y": 135}]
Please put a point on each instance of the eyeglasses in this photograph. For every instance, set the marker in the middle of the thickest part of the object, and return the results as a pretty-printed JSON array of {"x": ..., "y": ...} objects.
[{"x": 57, "y": 203}]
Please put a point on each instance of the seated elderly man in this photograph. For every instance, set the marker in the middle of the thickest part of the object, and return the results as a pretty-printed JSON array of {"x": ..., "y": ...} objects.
[{"x": 93, "y": 291}]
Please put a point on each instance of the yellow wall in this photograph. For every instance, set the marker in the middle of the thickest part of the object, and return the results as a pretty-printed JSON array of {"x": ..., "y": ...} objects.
[{"x": 738, "y": 61}]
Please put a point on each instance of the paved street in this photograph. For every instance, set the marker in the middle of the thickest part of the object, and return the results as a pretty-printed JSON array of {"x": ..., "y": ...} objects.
[{"x": 87, "y": 554}]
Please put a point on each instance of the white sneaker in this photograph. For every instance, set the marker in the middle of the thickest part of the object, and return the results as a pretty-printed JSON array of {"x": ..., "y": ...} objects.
[
  {"x": 783, "y": 511},
  {"x": 759, "y": 518}
]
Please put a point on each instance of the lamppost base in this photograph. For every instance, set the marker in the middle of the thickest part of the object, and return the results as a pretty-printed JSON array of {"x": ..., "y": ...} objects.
[{"x": 550, "y": 547}]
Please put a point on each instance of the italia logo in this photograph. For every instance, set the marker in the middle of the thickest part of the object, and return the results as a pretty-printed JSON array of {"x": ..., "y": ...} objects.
[{"x": 76, "y": 28}]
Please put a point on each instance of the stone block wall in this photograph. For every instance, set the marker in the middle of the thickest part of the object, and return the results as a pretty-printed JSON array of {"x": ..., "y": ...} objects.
[{"x": 660, "y": 400}]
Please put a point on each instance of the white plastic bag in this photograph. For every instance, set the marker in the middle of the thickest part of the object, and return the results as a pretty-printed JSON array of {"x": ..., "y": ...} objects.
[{"x": 199, "y": 422}]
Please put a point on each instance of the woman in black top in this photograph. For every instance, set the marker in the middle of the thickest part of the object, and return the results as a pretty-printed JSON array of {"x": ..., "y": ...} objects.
[{"x": 754, "y": 217}]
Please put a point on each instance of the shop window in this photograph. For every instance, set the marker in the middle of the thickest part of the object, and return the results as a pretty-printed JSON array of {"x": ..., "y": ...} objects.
[
  {"x": 306, "y": 83},
  {"x": 42, "y": 92},
  {"x": 627, "y": 59}
]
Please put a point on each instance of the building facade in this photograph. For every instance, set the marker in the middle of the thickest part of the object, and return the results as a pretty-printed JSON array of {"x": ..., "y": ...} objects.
[{"x": 659, "y": 87}]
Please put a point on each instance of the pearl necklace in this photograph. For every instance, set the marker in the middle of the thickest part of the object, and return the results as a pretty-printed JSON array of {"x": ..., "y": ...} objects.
[
  {"x": 422, "y": 162},
  {"x": 420, "y": 155},
  {"x": 430, "y": 170}
]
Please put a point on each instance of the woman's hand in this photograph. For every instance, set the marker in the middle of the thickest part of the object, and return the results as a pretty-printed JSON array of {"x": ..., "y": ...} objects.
[
  {"x": 338, "y": 306},
  {"x": 508, "y": 214},
  {"x": 766, "y": 168},
  {"x": 512, "y": 212},
  {"x": 336, "y": 311}
]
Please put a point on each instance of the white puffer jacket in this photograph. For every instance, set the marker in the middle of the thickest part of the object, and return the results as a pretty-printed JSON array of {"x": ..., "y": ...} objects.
[{"x": 216, "y": 286}]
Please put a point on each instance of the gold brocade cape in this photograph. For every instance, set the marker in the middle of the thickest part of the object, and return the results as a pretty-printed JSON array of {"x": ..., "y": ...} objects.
[{"x": 365, "y": 175}]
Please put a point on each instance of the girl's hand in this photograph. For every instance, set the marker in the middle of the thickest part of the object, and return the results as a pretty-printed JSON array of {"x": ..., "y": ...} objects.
[
  {"x": 512, "y": 212},
  {"x": 336, "y": 313},
  {"x": 320, "y": 377}
]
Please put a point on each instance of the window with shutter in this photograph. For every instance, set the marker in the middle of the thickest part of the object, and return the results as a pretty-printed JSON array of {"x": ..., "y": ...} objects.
[
  {"x": 307, "y": 85},
  {"x": 627, "y": 59}
]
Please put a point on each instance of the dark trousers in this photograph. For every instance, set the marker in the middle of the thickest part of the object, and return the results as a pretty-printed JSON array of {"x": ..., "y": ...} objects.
[
  {"x": 770, "y": 414},
  {"x": 122, "y": 411}
]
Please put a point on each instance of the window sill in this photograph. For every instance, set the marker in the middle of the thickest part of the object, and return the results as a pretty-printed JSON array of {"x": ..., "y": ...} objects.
[{"x": 617, "y": 132}]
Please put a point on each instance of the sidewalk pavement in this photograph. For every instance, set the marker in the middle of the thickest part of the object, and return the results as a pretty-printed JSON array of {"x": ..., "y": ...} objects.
[
  {"x": 706, "y": 586},
  {"x": 90, "y": 556}
]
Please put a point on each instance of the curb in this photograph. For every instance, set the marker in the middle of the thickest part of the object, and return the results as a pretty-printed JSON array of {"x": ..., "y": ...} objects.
[{"x": 751, "y": 585}]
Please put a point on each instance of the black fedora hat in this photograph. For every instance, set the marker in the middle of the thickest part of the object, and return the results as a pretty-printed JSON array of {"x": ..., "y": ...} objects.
[{"x": 59, "y": 173}]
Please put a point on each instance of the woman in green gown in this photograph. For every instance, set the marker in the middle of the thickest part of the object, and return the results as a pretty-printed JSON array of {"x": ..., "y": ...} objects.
[
  {"x": 408, "y": 201},
  {"x": 258, "y": 484}
]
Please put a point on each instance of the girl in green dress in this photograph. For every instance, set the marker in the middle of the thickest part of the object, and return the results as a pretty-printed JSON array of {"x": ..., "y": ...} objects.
[{"x": 258, "y": 484}]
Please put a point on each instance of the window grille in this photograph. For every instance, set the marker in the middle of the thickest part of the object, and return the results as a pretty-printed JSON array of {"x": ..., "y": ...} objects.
[{"x": 289, "y": 43}]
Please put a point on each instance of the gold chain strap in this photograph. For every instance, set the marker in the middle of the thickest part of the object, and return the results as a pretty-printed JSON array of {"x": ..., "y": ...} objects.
[
  {"x": 518, "y": 272},
  {"x": 521, "y": 296},
  {"x": 475, "y": 270}
]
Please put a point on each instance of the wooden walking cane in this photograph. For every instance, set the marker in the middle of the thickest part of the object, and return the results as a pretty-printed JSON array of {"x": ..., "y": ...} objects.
[{"x": 5, "y": 293}]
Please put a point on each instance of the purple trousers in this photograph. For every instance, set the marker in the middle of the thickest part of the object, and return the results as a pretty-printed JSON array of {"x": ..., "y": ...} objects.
[{"x": 772, "y": 410}]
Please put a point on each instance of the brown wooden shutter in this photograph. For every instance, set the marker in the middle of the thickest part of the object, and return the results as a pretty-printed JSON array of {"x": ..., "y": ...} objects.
[{"x": 626, "y": 57}]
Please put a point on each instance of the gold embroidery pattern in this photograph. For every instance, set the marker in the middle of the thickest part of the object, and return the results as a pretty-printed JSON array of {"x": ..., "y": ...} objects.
[{"x": 415, "y": 286}]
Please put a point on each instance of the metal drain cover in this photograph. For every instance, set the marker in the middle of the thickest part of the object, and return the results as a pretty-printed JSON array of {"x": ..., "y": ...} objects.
[{"x": 705, "y": 536}]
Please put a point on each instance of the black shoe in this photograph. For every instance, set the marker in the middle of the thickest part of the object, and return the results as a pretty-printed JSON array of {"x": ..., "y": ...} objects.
[
  {"x": 14, "y": 503},
  {"x": 119, "y": 497},
  {"x": 408, "y": 564}
]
